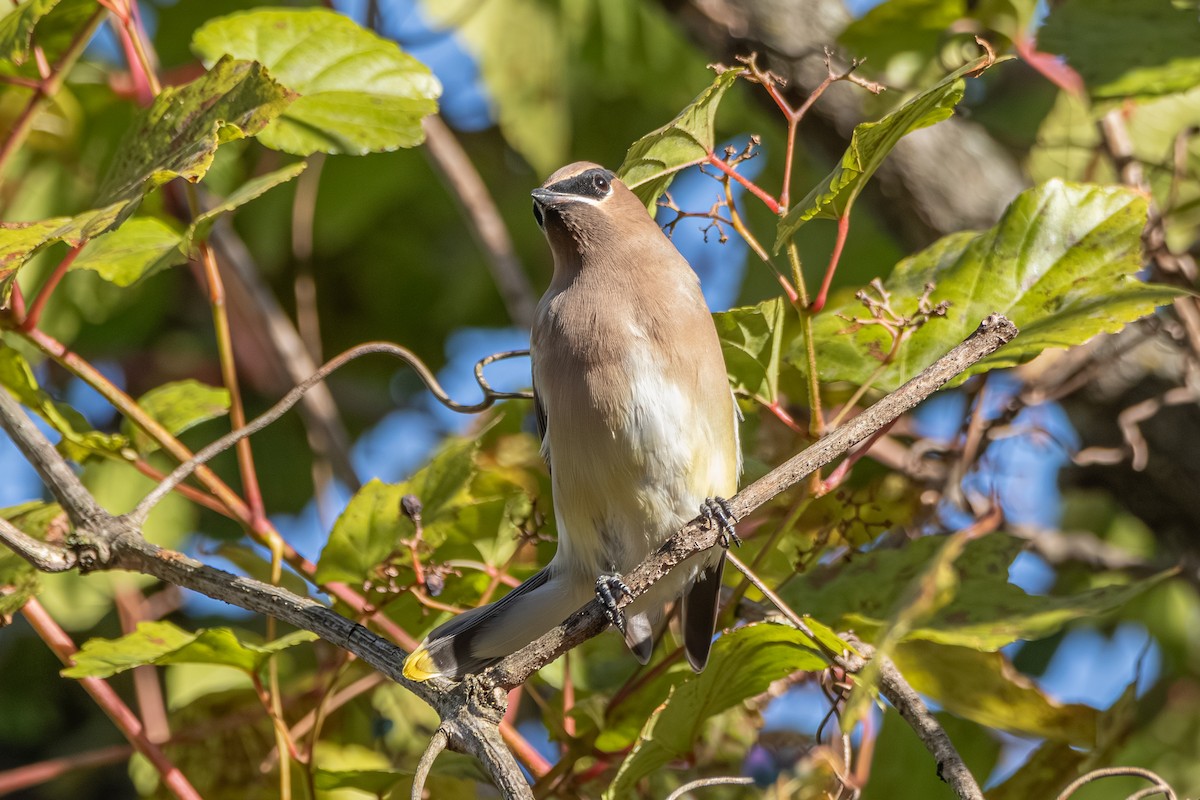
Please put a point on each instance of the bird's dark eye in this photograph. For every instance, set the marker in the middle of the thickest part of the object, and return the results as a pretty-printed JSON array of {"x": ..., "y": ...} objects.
[
  {"x": 600, "y": 182},
  {"x": 537, "y": 213}
]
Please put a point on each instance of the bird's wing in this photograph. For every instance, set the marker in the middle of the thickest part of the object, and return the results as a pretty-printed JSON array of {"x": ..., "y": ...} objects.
[
  {"x": 699, "y": 622},
  {"x": 539, "y": 413}
]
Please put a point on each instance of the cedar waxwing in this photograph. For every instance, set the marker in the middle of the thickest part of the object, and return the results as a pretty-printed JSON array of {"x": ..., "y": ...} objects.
[{"x": 638, "y": 427}]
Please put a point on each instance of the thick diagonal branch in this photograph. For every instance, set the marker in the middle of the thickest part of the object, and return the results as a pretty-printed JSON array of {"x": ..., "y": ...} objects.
[{"x": 697, "y": 535}]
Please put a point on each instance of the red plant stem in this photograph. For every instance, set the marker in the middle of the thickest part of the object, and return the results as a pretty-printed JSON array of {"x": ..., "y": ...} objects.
[
  {"x": 237, "y": 413},
  {"x": 785, "y": 194},
  {"x": 191, "y": 493},
  {"x": 14, "y": 780},
  {"x": 43, "y": 296},
  {"x": 125, "y": 720},
  {"x": 843, "y": 230},
  {"x": 787, "y": 419},
  {"x": 842, "y": 471},
  {"x": 750, "y": 186},
  {"x": 18, "y": 303},
  {"x": 568, "y": 696},
  {"x": 526, "y": 753},
  {"x": 49, "y": 87}
]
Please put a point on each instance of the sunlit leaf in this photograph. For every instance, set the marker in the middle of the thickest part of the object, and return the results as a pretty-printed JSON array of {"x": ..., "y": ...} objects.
[
  {"x": 869, "y": 146},
  {"x": 752, "y": 342},
  {"x": 250, "y": 190},
  {"x": 997, "y": 694},
  {"x": 178, "y": 406},
  {"x": 140, "y": 247},
  {"x": 373, "y": 524},
  {"x": 1126, "y": 47},
  {"x": 167, "y": 643},
  {"x": 652, "y": 161},
  {"x": 1061, "y": 264},
  {"x": 372, "y": 781},
  {"x": 18, "y": 579},
  {"x": 79, "y": 439},
  {"x": 522, "y": 65},
  {"x": 986, "y": 612},
  {"x": 743, "y": 664},
  {"x": 178, "y": 135},
  {"x": 16, "y": 28},
  {"x": 358, "y": 93}
]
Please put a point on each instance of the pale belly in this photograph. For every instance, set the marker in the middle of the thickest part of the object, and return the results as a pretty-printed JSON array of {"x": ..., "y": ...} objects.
[{"x": 628, "y": 472}]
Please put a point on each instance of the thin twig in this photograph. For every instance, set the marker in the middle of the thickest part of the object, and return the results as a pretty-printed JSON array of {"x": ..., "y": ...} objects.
[
  {"x": 483, "y": 219},
  {"x": 728, "y": 780},
  {"x": 1160, "y": 786},
  {"x": 436, "y": 745},
  {"x": 892, "y": 685},
  {"x": 180, "y": 473}
]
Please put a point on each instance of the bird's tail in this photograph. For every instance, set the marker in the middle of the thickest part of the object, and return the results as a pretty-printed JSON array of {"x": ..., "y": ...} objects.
[
  {"x": 475, "y": 639},
  {"x": 700, "y": 602}
]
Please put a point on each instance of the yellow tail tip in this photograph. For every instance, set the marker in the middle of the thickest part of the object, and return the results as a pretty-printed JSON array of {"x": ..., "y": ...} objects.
[{"x": 419, "y": 666}]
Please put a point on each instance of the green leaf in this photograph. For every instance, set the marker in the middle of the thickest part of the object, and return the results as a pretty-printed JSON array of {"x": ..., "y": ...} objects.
[
  {"x": 140, "y": 247},
  {"x": 997, "y": 694},
  {"x": 376, "y": 782},
  {"x": 18, "y": 579},
  {"x": 79, "y": 440},
  {"x": 16, "y": 28},
  {"x": 250, "y": 190},
  {"x": 743, "y": 664},
  {"x": 869, "y": 146},
  {"x": 752, "y": 342},
  {"x": 986, "y": 612},
  {"x": 372, "y": 526},
  {"x": 1125, "y": 48},
  {"x": 167, "y": 643},
  {"x": 178, "y": 406},
  {"x": 359, "y": 93},
  {"x": 178, "y": 135},
  {"x": 898, "y": 27},
  {"x": 652, "y": 161},
  {"x": 18, "y": 240},
  {"x": 522, "y": 67},
  {"x": 1061, "y": 264}
]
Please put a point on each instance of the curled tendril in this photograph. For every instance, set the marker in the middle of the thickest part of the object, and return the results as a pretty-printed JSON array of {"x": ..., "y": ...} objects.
[{"x": 490, "y": 396}]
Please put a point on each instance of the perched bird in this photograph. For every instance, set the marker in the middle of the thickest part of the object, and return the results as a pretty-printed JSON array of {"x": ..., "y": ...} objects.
[{"x": 638, "y": 427}]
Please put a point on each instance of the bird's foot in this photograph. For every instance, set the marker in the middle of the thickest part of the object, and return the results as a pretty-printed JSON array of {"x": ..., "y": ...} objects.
[
  {"x": 717, "y": 511},
  {"x": 609, "y": 589}
]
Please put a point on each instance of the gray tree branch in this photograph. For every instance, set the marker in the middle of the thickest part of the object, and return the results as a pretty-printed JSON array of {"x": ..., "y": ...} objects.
[{"x": 472, "y": 710}]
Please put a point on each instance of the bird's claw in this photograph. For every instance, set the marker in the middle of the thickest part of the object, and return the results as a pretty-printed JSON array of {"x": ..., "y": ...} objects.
[
  {"x": 717, "y": 511},
  {"x": 609, "y": 589}
]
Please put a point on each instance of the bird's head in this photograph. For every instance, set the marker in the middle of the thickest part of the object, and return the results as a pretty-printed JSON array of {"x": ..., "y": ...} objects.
[{"x": 583, "y": 205}]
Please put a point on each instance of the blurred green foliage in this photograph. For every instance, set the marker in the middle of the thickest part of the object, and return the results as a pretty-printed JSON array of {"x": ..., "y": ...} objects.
[{"x": 295, "y": 125}]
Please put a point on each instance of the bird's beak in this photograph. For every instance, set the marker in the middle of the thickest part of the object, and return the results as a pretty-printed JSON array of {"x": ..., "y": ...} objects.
[{"x": 547, "y": 197}]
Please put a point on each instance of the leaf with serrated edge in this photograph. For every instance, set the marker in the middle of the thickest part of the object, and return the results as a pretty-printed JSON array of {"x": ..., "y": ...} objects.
[
  {"x": 359, "y": 93},
  {"x": 79, "y": 440},
  {"x": 869, "y": 146},
  {"x": 137, "y": 249},
  {"x": 743, "y": 664},
  {"x": 1061, "y": 264},
  {"x": 167, "y": 643},
  {"x": 997, "y": 695},
  {"x": 372, "y": 525},
  {"x": 16, "y": 28},
  {"x": 986, "y": 612},
  {"x": 752, "y": 339},
  {"x": 178, "y": 135},
  {"x": 652, "y": 161},
  {"x": 178, "y": 406},
  {"x": 1125, "y": 48}
]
